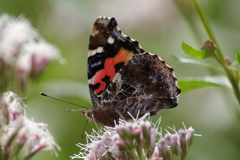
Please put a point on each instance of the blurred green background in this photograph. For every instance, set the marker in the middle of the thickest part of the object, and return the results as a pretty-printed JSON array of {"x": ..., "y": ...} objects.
[{"x": 160, "y": 27}]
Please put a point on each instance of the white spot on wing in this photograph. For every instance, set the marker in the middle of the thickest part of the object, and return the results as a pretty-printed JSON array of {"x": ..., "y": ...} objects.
[
  {"x": 99, "y": 49},
  {"x": 94, "y": 51},
  {"x": 110, "y": 40}
]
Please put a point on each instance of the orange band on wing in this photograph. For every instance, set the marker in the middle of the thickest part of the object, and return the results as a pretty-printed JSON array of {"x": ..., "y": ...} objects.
[
  {"x": 109, "y": 68},
  {"x": 122, "y": 56},
  {"x": 98, "y": 79}
]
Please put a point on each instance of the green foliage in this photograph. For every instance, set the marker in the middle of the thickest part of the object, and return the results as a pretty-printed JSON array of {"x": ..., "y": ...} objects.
[
  {"x": 238, "y": 56},
  {"x": 211, "y": 48},
  {"x": 192, "y": 83},
  {"x": 188, "y": 84},
  {"x": 197, "y": 62},
  {"x": 198, "y": 54}
]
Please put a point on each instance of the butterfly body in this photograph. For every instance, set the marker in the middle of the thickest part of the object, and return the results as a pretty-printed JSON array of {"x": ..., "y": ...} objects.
[{"x": 123, "y": 79}]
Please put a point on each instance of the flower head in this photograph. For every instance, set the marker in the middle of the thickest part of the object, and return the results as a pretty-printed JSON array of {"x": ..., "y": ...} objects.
[
  {"x": 34, "y": 57},
  {"x": 11, "y": 108},
  {"x": 135, "y": 140},
  {"x": 19, "y": 133},
  {"x": 14, "y": 34},
  {"x": 24, "y": 54}
]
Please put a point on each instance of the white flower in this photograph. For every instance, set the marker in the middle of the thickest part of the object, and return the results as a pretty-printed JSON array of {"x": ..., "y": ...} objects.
[
  {"x": 20, "y": 133},
  {"x": 35, "y": 56},
  {"x": 11, "y": 108},
  {"x": 24, "y": 54},
  {"x": 4, "y": 19},
  {"x": 14, "y": 33}
]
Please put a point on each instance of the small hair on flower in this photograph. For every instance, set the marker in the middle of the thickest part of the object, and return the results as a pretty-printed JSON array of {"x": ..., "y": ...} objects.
[{"x": 138, "y": 139}]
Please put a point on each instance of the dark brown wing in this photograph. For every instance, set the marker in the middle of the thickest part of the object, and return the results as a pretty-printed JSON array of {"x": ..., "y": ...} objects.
[{"x": 146, "y": 84}]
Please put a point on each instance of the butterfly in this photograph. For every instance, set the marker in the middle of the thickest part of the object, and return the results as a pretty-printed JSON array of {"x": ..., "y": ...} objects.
[{"x": 124, "y": 80}]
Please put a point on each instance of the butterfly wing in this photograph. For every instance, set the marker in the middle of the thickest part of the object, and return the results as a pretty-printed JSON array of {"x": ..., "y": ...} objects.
[
  {"x": 109, "y": 50},
  {"x": 145, "y": 84},
  {"x": 123, "y": 79}
]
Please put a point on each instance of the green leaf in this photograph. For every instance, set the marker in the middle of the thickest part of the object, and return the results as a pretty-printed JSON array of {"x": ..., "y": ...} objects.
[
  {"x": 198, "y": 54},
  {"x": 192, "y": 83},
  {"x": 238, "y": 55},
  {"x": 194, "y": 61}
]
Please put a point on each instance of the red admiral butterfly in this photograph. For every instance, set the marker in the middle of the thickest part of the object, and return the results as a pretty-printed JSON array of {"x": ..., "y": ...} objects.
[{"x": 123, "y": 79}]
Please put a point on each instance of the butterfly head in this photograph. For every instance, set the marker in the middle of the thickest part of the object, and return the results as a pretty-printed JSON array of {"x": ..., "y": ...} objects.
[
  {"x": 91, "y": 117},
  {"x": 104, "y": 117},
  {"x": 88, "y": 114}
]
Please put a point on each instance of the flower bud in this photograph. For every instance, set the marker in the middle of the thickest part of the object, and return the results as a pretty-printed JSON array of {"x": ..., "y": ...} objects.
[
  {"x": 163, "y": 149},
  {"x": 189, "y": 136},
  {"x": 172, "y": 141},
  {"x": 208, "y": 45},
  {"x": 183, "y": 141}
]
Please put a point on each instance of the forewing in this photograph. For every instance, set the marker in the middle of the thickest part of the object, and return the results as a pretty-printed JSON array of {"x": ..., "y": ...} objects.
[{"x": 109, "y": 50}]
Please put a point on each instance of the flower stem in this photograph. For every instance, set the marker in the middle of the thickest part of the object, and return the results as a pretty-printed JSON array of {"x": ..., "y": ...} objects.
[{"x": 232, "y": 76}]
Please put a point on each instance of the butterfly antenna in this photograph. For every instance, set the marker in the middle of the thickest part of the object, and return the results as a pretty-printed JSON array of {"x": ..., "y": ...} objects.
[{"x": 61, "y": 100}]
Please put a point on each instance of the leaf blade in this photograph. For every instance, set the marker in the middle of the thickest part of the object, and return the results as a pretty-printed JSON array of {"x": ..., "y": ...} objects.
[
  {"x": 197, "y": 62},
  {"x": 192, "y": 83},
  {"x": 198, "y": 54},
  {"x": 238, "y": 56}
]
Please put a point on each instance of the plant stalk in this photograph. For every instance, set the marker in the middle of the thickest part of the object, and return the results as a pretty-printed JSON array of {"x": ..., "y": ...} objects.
[{"x": 231, "y": 76}]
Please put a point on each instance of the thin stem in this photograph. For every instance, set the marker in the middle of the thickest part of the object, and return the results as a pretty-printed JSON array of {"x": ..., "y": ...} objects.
[
  {"x": 209, "y": 30},
  {"x": 233, "y": 78}
]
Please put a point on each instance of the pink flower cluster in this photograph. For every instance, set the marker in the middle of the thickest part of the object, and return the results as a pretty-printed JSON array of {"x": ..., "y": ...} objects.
[
  {"x": 136, "y": 140},
  {"x": 18, "y": 134},
  {"x": 24, "y": 54}
]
